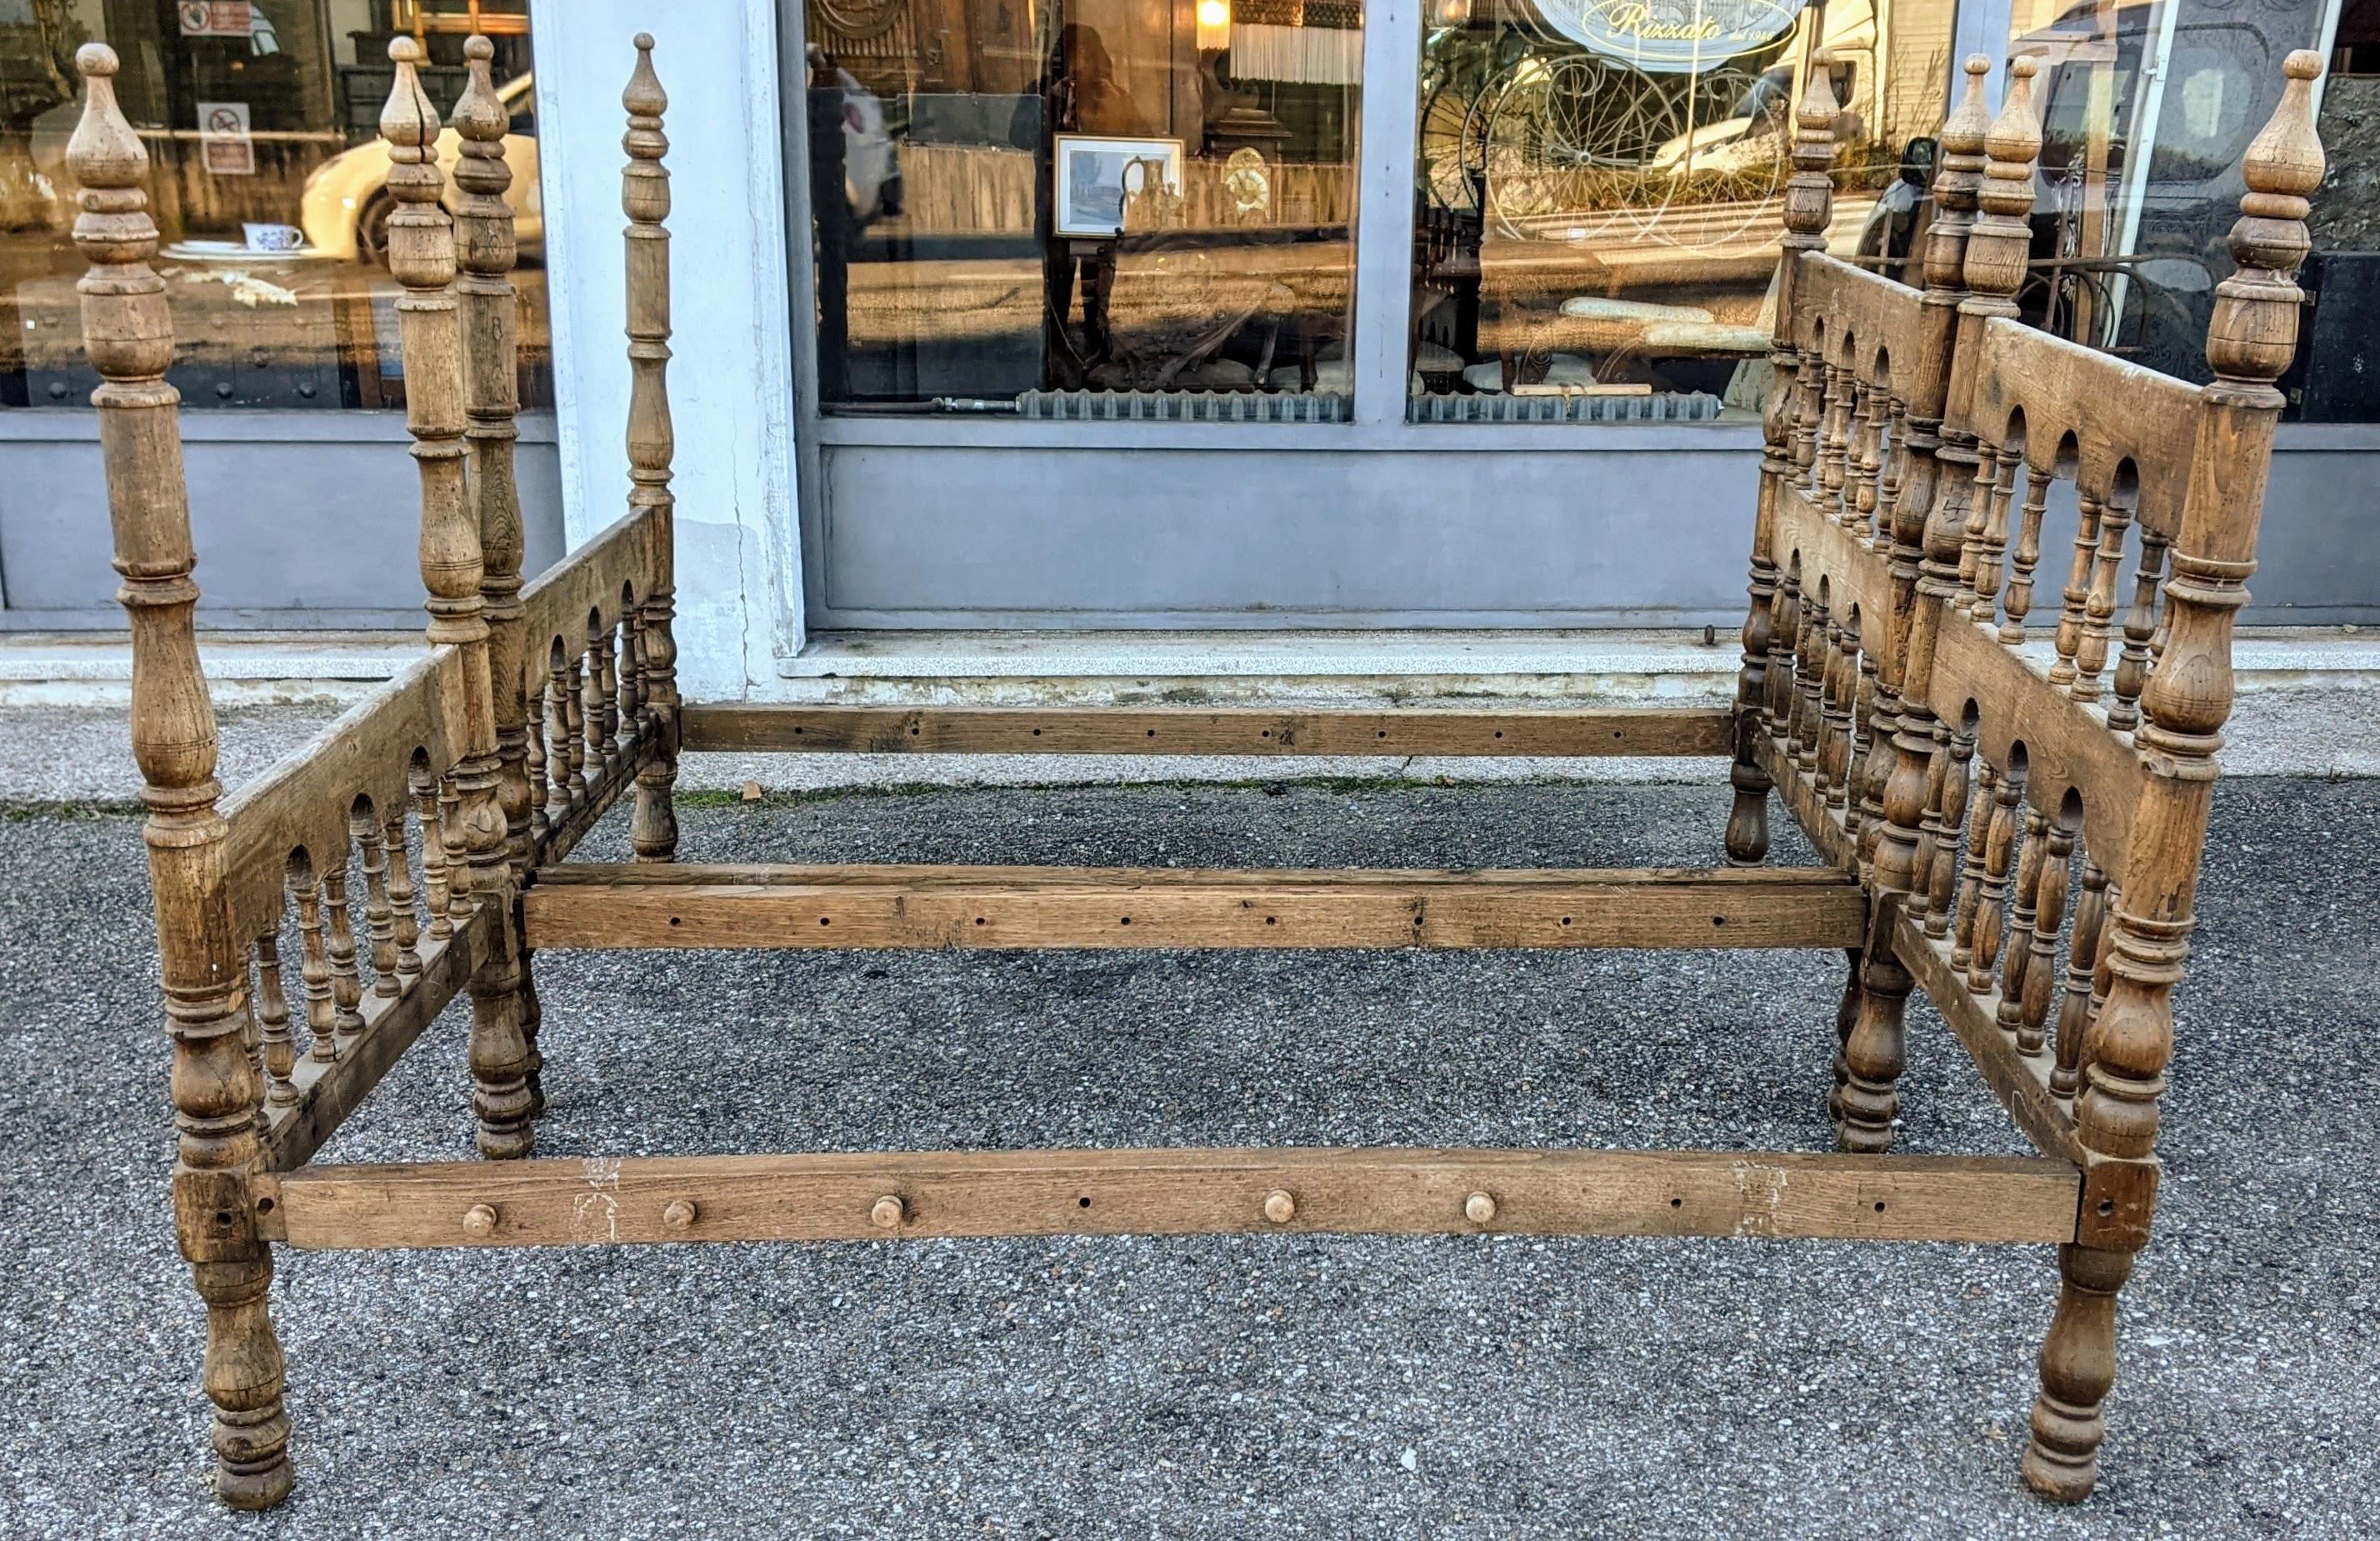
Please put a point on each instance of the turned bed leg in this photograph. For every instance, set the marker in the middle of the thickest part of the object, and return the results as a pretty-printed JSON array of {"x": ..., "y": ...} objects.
[
  {"x": 1875, "y": 1052},
  {"x": 2078, "y": 1367},
  {"x": 217, "y": 1092},
  {"x": 645, "y": 199}
]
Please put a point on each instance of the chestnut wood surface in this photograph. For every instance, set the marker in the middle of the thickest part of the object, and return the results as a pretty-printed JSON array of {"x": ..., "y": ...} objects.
[
  {"x": 1177, "y": 1191},
  {"x": 1060, "y": 907},
  {"x": 994, "y": 730}
]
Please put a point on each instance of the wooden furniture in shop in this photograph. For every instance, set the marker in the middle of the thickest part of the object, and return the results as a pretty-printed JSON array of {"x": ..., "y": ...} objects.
[{"x": 2007, "y": 771}]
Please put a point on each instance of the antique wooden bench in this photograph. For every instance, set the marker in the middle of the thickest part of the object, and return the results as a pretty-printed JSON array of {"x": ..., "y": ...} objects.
[{"x": 2011, "y": 810}]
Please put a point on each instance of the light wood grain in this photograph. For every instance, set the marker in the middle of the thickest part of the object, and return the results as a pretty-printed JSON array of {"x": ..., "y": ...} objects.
[
  {"x": 1056, "y": 906},
  {"x": 1042, "y": 1193},
  {"x": 1651, "y": 730}
]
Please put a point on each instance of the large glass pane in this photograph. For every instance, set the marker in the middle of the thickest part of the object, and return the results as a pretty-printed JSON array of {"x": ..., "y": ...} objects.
[
  {"x": 267, "y": 181},
  {"x": 1600, "y": 191},
  {"x": 2148, "y": 108},
  {"x": 1021, "y": 206}
]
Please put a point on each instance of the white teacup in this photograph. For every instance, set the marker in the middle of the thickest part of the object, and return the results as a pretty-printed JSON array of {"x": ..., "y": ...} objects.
[{"x": 272, "y": 237}]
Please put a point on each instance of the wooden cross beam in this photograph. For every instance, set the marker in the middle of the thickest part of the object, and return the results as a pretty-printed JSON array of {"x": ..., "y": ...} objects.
[
  {"x": 866, "y": 1196},
  {"x": 1149, "y": 907}
]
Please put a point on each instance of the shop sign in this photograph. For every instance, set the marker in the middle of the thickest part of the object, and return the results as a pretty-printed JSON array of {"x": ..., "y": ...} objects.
[
  {"x": 216, "y": 18},
  {"x": 225, "y": 148},
  {"x": 1667, "y": 37}
]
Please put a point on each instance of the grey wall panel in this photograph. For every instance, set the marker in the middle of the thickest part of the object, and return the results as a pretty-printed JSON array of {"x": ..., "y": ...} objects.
[
  {"x": 300, "y": 519},
  {"x": 1384, "y": 535},
  {"x": 1365, "y": 537}
]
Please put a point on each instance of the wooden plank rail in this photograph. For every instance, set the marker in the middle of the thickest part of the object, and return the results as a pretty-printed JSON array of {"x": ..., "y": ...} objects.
[
  {"x": 1179, "y": 1192},
  {"x": 648, "y": 905},
  {"x": 1530, "y": 732}
]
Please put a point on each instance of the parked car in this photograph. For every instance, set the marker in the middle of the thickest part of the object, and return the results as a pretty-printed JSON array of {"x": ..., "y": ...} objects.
[{"x": 345, "y": 205}]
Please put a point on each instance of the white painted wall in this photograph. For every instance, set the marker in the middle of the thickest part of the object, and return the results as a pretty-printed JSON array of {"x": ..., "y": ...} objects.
[{"x": 739, "y": 590}]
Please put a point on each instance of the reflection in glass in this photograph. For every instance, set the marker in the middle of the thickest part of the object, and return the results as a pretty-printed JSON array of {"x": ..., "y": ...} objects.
[
  {"x": 2148, "y": 108},
  {"x": 268, "y": 183},
  {"x": 1018, "y": 203},
  {"x": 1601, "y": 183}
]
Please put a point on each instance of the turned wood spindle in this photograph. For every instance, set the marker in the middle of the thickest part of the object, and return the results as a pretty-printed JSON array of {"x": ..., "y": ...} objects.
[
  {"x": 315, "y": 968},
  {"x": 2140, "y": 633},
  {"x": 1981, "y": 808},
  {"x": 645, "y": 199},
  {"x": 346, "y": 984},
  {"x": 1948, "y": 818},
  {"x": 2016, "y": 947},
  {"x": 2099, "y": 602},
  {"x": 2041, "y": 978},
  {"x": 402, "y": 900},
  {"x": 2000, "y": 838},
  {"x": 2026, "y": 556},
  {"x": 436, "y": 887},
  {"x": 279, "y": 1051},
  {"x": 380, "y": 917},
  {"x": 2083, "y": 954}
]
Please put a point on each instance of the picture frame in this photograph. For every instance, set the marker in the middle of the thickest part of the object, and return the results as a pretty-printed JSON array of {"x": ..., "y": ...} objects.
[{"x": 1087, "y": 174}]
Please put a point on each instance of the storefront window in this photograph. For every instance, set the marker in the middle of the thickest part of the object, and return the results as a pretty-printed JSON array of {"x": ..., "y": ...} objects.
[
  {"x": 1600, "y": 188},
  {"x": 1024, "y": 206},
  {"x": 267, "y": 181}
]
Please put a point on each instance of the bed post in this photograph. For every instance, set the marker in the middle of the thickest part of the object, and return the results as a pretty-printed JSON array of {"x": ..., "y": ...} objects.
[
  {"x": 2187, "y": 699},
  {"x": 1809, "y": 206},
  {"x": 215, "y": 1089},
  {"x": 645, "y": 199},
  {"x": 421, "y": 257},
  {"x": 485, "y": 252}
]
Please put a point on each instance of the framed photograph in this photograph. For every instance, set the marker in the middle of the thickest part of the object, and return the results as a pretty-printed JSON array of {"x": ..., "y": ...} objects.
[{"x": 1094, "y": 174}]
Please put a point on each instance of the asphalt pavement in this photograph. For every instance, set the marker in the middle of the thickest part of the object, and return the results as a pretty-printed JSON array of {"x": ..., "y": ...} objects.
[{"x": 1236, "y": 1387}]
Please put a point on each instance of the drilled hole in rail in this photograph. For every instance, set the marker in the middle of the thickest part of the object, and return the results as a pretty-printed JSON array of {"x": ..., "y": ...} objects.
[
  {"x": 978, "y": 920},
  {"x": 264, "y": 1206},
  {"x": 1676, "y": 1203},
  {"x": 1566, "y": 920},
  {"x": 1272, "y": 920},
  {"x": 824, "y": 921},
  {"x": 1880, "y": 1206},
  {"x": 1036, "y": 733},
  {"x": 1125, "y": 921},
  {"x": 2106, "y": 1206},
  {"x": 674, "y": 920},
  {"x": 1718, "y": 920},
  {"x": 1083, "y": 1202},
  {"x": 222, "y": 1217}
]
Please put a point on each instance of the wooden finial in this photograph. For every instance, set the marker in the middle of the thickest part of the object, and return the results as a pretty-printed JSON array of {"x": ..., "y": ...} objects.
[
  {"x": 1809, "y": 192},
  {"x": 2003, "y": 234},
  {"x": 2254, "y": 331},
  {"x": 1956, "y": 179}
]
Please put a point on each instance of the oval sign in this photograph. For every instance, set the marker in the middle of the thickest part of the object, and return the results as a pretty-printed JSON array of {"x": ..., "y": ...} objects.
[{"x": 1668, "y": 37}]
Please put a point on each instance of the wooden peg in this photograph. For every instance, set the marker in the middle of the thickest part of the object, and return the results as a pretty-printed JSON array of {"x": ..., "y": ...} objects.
[
  {"x": 888, "y": 1212},
  {"x": 679, "y": 1214},
  {"x": 1479, "y": 1208},
  {"x": 479, "y": 1221},
  {"x": 1280, "y": 1206}
]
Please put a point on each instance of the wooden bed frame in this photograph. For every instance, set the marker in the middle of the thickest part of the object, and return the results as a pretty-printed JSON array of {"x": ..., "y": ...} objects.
[{"x": 2014, "y": 828}]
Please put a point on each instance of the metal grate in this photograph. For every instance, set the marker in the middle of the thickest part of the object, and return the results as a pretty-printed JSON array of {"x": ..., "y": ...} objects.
[
  {"x": 1684, "y": 406},
  {"x": 1179, "y": 407}
]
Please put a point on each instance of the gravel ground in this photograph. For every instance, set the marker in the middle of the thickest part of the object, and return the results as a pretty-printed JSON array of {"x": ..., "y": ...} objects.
[{"x": 1214, "y": 1386}]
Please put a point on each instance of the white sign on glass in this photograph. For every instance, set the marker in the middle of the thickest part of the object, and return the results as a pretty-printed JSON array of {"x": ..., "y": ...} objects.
[{"x": 1667, "y": 37}]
